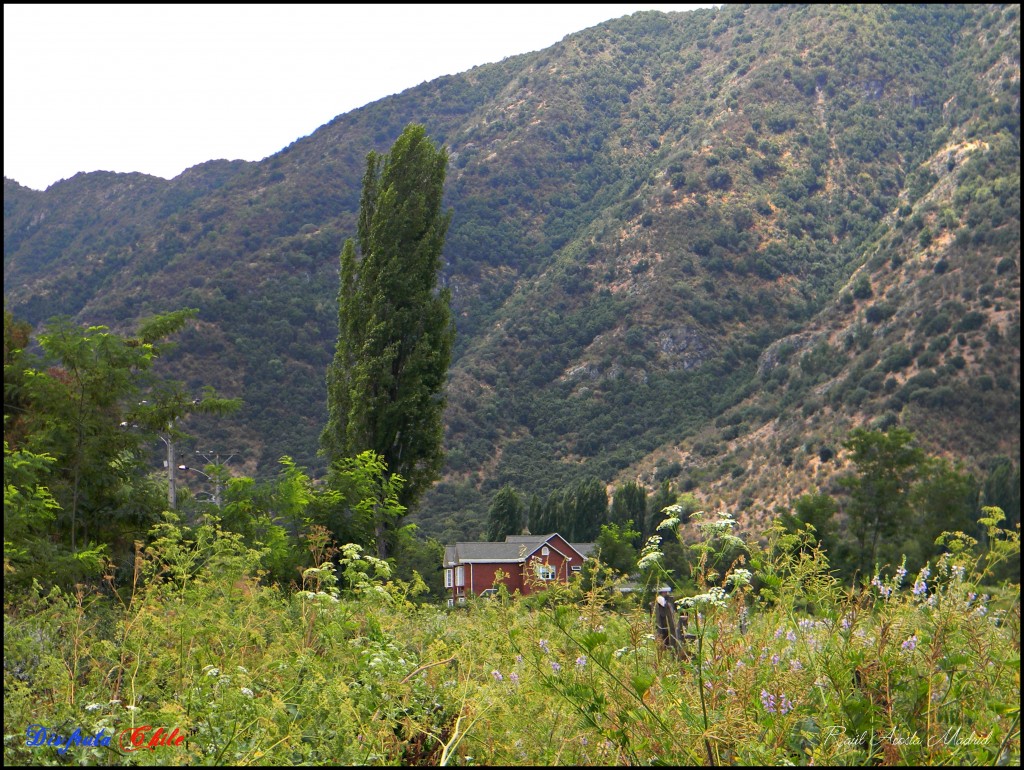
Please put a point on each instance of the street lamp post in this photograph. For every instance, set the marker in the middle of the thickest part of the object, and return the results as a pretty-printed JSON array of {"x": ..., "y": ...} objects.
[
  {"x": 172, "y": 491},
  {"x": 216, "y": 480}
]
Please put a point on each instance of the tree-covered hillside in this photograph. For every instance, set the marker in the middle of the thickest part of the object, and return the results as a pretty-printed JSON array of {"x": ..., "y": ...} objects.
[{"x": 691, "y": 248}]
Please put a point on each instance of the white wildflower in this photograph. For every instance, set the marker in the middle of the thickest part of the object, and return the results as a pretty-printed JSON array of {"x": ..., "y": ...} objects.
[
  {"x": 739, "y": 577},
  {"x": 669, "y": 524}
]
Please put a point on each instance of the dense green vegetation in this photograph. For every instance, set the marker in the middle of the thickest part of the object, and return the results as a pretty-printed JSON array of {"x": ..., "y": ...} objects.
[
  {"x": 78, "y": 420},
  {"x": 786, "y": 666}
]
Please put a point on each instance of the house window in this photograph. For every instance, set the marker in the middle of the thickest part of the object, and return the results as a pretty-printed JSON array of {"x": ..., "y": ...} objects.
[
  {"x": 451, "y": 602},
  {"x": 449, "y": 578},
  {"x": 545, "y": 551},
  {"x": 545, "y": 571},
  {"x": 462, "y": 600},
  {"x": 577, "y": 568},
  {"x": 460, "y": 576}
]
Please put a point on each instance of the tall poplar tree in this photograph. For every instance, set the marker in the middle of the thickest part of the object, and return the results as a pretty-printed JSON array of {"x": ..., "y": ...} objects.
[
  {"x": 395, "y": 330},
  {"x": 505, "y": 516}
]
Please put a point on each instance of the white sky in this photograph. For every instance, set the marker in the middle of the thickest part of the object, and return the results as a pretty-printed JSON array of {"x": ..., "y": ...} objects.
[{"x": 160, "y": 88}]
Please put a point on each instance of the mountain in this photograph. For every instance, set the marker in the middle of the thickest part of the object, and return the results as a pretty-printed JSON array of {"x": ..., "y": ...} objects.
[{"x": 698, "y": 247}]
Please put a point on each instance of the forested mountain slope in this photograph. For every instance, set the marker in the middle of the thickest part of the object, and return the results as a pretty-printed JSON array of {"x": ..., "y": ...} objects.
[{"x": 693, "y": 247}]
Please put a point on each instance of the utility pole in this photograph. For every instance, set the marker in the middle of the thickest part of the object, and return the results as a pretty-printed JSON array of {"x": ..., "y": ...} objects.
[{"x": 172, "y": 492}]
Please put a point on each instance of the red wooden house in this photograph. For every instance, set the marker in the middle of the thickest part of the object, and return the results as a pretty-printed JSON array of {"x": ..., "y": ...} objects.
[{"x": 528, "y": 561}]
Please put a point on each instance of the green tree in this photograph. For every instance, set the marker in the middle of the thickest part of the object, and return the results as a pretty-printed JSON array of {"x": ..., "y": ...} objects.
[
  {"x": 879, "y": 507},
  {"x": 535, "y": 514},
  {"x": 395, "y": 331},
  {"x": 945, "y": 500},
  {"x": 546, "y": 517},
  {"x": 505, "y": 516},
  {"x": 584, "y": 510},
  {"x": 629, "y": 507},
  {"x": 1002, "y": 489},
  {"x": 817, "y": 509},
  {"x": 363, "y": 500},
  {"x": 615, "y": 547},
  {"x": 92, "y": 405},
  {"x": 16, "y": 361}
]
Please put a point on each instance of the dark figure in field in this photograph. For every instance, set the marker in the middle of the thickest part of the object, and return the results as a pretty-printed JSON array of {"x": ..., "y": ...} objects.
[{"x": 666, "y": 626}]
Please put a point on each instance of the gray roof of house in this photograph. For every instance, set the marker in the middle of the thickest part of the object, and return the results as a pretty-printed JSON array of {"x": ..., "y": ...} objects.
[{"x": 515, "y": 548}]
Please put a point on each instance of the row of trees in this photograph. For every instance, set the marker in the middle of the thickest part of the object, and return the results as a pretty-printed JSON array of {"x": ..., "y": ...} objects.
[
  {"x": 894, "y": 503},
  {"x": 898, "y": 501},
  {"x": 579, "y": 511}
]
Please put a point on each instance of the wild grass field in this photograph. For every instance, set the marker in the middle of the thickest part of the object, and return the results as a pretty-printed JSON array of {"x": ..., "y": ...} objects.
[{"x": 788, "y": 666}]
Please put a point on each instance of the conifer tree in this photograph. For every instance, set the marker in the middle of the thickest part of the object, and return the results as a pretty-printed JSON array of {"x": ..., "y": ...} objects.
[
  {"x": 585, "y": 509},
  {"x": 395, "y": 331},
  {"x": 629, "y": 505}
]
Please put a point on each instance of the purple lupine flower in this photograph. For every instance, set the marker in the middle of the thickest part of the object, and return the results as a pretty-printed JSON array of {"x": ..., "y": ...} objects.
[
  {"x": 775, "y": 660},
  {"x": 791, "y": 636},
  {"x": 910, "y": 644},
  {"x": 581, "y": 661},
  {"x": 768, "y": 701},
  {"x": 544, "y": 645},
  {"x": 513, "y": 678},
  {"x": 846, "y": 622},
  {"x": 796, "y": 665},
  {"x": 497, "y": 675},
  {"x": 786, "y": 705},
  {"x": 556, "y": 666},
  {"x": 901, "y": 572},
  {"x": 921, "y": 585}
]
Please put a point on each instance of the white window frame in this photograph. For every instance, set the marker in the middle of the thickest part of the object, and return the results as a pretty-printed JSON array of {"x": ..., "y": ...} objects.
[
  {"x": 451, "y": 602},
  {"x": 449, "y": 578},
  {"x": 460, "y": 576},
  {"x": 545, "y": 571}
]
